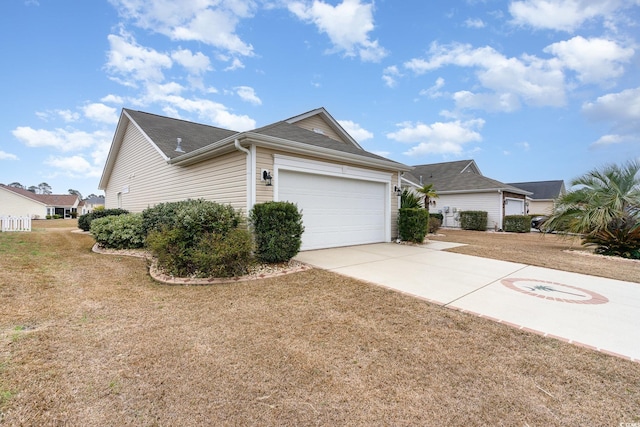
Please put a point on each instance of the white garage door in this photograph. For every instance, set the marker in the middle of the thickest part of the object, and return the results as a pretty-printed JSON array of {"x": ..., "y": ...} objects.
[
  {"x": 335, "y": 211},
  {"x": 513, "y": 206}
]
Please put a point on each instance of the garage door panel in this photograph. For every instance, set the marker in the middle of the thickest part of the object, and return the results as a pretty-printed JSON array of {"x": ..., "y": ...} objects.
[{"x": 336, "y": 211}]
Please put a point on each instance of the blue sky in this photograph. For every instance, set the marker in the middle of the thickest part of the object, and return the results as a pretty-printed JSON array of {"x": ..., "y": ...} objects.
[{"x": 530, "y": 89}]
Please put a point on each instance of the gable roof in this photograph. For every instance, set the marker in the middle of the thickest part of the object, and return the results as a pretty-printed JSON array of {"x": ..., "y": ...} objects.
[
  {"x": 542, "y": 190},
  {"x": 45, "y": 199},
  {"x": 200, "y": 142},
  {"x": 456, "y": 177},
  {"x": 164, "y": 131}
]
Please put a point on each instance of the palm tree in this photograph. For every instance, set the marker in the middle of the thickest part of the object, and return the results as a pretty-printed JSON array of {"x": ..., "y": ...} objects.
[
  {"x": 429, "y": 193},
  {"x": 604, "y": 209}
]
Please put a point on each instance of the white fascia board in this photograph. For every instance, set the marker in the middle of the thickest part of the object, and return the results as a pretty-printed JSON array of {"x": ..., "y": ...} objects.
[{"x": 118, "y": 137}]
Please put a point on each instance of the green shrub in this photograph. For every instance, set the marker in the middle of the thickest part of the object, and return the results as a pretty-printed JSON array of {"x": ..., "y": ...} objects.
[
  {"x": 434, "y": 224},
  {"x": 277, "y": 230},
  {"x": 84, "y": 221},
  {"x": 228, "y": 256},
  {"x": 412, "y": 224},
  {"x": 473, "y": 220},
  {"x": 195, "y": 216},
  {"x": 517, "y": 223},
  {"x": 437, "y": 215},
  {"x": 620, "y": 238},
  {"x": 171, "y": 252},
  {"x": 118, "y": 231},
  {"x": 409, "y": 200}
]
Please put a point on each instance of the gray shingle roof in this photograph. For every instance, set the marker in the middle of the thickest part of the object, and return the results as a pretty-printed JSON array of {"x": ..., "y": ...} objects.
[
  {"x": 542, "y": 190},
  {"x": 293, "y": 132},
  {"x": 164, "y": 132},
  {"x": 458, "y": 176}
]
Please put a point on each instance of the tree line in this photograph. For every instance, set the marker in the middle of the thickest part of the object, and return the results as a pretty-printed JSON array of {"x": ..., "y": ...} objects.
[{"x": 44, "y": 188}]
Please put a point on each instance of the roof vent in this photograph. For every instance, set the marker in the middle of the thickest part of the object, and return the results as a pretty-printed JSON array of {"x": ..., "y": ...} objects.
[{"x": 179, "y": 146}]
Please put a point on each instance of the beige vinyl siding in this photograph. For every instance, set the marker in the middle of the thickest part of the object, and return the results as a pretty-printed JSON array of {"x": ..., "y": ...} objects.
[
  {"x": 16, "y": 205},
  {"x": 540, "y": 207},
  {"x": 264, "y": 160},
  {"x": 315, "y": 122},
  {"x": 144, "y": 178},
  {"x": 488, "y": 202}
]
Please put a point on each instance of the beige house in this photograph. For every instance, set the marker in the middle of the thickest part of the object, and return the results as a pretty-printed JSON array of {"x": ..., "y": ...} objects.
[
  {"x": 19, "y": 202},
  {"x": 347, "y": 195},
  {"x": 461, "y": 187},
  {"x": 543, "y": 195}
]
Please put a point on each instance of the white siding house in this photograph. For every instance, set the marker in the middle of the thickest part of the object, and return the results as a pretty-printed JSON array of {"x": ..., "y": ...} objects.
[
  {"x": 311, "y": 160},
  {"x": 461, "y": 187}
]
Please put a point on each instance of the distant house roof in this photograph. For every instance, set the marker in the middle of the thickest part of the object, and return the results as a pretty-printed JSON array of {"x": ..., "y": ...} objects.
[
  {"x": 97, "y": 200},
  {"x": 456, "y": 177},
  {"x": 59, "y": 200},
  {"x": 542, "y": 190}
]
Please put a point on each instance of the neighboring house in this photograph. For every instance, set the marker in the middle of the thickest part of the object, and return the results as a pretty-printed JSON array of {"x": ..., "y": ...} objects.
[
  {"x": 461, "y": 187},
  {"x": 544, "y": 194},
  {"x": 346, "y": 194},
  {"x": 19, "y": 202},
  {"x": 90, "y": 204}
]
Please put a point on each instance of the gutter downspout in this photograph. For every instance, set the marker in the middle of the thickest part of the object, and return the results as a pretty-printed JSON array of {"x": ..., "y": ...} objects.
[{"x": 250, "y": 183}]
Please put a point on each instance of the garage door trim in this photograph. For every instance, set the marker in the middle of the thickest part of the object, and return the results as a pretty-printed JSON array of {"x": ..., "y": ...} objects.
[{"x": 297, "y": 164}]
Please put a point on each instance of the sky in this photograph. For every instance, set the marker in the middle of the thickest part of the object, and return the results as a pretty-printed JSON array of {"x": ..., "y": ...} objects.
[{"x": 532, "y": 90}]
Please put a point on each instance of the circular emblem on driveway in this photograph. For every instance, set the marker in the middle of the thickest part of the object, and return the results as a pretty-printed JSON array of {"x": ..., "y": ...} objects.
[{"x": 554, "y": 291}]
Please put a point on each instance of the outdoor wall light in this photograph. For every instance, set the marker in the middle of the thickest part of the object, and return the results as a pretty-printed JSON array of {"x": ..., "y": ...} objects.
[
  {"x": 397, "y": 190},
  {"x": 266, "y": 177}
]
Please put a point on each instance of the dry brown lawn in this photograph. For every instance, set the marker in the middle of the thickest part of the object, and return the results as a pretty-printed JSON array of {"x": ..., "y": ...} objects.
[
  {"x": 91, "y": 340},
  {"x": 544, "y": 250}
]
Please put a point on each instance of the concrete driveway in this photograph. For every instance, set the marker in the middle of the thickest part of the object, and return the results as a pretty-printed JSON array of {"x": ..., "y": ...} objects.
[{"x": 594, "y": 312}]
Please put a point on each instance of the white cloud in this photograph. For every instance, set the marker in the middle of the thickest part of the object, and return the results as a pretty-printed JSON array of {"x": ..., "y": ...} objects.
[
  {"x": 68, "y": 115},
  {"x": 595, "y": 60},
  {"x": 236, "y": 64},
  {"x": 613, "y": 139},
  {"x": 7, "y": 156},
  {"x": 248, "y": 94},
  {"x": 207, "y": 112},
  {"x": 73, "y": 166},
  {"x": 438, "y": 138},
  {"x": 505, "y": 102},
  {"x": 390, "y": 74},
  {"x": 531, "y": 80},
  {"x": 474, "y": 23},
  {"x": 622, "y": 108},
  {"x": 355, "y": 130},
  {"x": 347, "y": 25},
  {"x": 434, "y": 91},
  {"x": 113, "y": 99},
  {"x": 134, "y": 63},
  {"x": 211, "y": 22},
  {"x": 562, "y": 15},
  {"x": 101, "y": 113},
  {"x": 60, "y": 139},
  {"x": 196, "y": 63}
]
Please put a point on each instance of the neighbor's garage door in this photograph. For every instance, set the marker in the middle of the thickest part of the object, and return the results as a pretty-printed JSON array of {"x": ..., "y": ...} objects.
[{"x": 335, "y": 211}]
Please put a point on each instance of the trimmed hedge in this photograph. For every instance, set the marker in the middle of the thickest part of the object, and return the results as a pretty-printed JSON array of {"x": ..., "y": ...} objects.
[
  {"x": 84, "y": 221},
  {"x": 517, "y": 223},
  {"x": 413, "y": 224},
  {"x": 198, "y": 238},
  {"x": 277, "y": 229},
  {"x": 119, "y": 231},
  {"x": 434, "y": 224},
  {"x": 195, "y": 215},
  {"x": 473, "y": 220}
]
